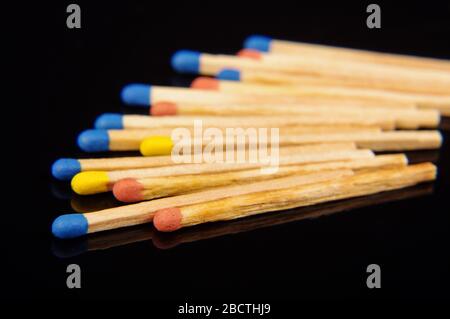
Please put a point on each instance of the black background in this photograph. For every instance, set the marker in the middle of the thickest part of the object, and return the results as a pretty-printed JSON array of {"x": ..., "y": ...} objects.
[{"x": 82, "y": 72}]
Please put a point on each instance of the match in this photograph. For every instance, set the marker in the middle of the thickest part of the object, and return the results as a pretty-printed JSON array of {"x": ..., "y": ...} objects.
[
  {"x": 360, "y": 184},
  {"x": 134, "y": 190},
  {"x": 93, "y": 182},
  {"x": 76, "y": 225}
]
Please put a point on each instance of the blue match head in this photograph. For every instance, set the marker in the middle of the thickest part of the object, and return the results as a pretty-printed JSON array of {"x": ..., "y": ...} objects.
[
  {"x": 229, "y": 75},
  {"x": 136, "y": 94},
  {"x": 94, "y": 141},
  {"x": 185, "y": 61},
  {"x": 258, "y": 42},
  {"x": 70, "y": 226},
  {"x": 65, "y": 168},
  {"x": 109, "y": 121}
]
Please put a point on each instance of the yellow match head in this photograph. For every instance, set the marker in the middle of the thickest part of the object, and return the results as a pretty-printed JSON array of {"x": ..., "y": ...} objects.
[
  {"x": 156, "y": 145},
  {"x": 87, "y": 183}
]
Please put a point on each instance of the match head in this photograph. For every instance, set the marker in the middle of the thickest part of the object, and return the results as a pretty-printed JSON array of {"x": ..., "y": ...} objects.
[
  {"x": 156, "y": 145},
  {"x": 249, "y": 53},
  {"x": 186, "y": 61},
  {"x": 88, "y": 183},
  {"x": 205, "y": 83},
  {"x": 137, "y": 94},
  {"x": 70, "y": 226},
  {"x": 258, "y": 42},
  {"x": 167, "y": 219},
  {"x": 94, "y": 141},
  {"x": 128, "y": 190},
  {"x": 229, "y": 75},
  {"x": 109, "y": 121},
  {"x": 163, "y": 109},
  {"x": 65, "y": 168}
]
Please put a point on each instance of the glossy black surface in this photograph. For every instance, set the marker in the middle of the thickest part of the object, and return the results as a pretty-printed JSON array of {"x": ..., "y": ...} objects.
[{"x": 252, "y": 260}]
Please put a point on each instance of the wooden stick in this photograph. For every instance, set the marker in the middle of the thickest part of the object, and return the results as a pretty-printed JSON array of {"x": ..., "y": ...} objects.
[
  {"x": 130, "y": 140},
  {"x": 170, "y": 219},
  {"x": 354, "y": 96},
  {"x": 65, "y": 168},
  {"x": 74, "y": 225},
  {"x": 386, "y": 77},
  {"x": 126, "y": 236},
  {"x": 134, "y": 190},
  {"x": 378, "y": 141},
  {"x": 338, "y": 53},
  {"x": 277, "y": 77},
  {"x": 213, "y": 230},
  {"x": 310, "y": 117},
  {"x": 403, "y": 118},
  {"x": 93, "y": 182}
]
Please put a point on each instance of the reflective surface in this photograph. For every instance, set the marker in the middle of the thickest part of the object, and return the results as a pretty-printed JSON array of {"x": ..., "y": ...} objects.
[{"x": 287, "y": 255}]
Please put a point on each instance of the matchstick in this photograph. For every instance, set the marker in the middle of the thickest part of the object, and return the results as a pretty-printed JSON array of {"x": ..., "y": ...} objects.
[
  {"x": 266, "y": 44},
  {"x": 377, "y": 141},
  {"x": 213, "y": 230},
  {"x": 425, "y": 99},
  {"x": 303, "y": 116},
  {"x": 130, "y": 140},
  {"x": 135, "y": 190},
  {"x": 403, "y": 118},
  {"x": 93, "y": 182},
  {"x": 354, "y": 96},
  {"x": 75, "y": 225},
  {"x": 365, "y": 183},
  {"x": 65, "y": 169},
  {"x": 386, "y": 77},
  {"x": 145, "y": 95}
]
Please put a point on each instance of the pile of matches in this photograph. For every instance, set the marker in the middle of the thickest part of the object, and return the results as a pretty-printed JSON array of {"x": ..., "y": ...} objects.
[{"x": 326, "y": 111}]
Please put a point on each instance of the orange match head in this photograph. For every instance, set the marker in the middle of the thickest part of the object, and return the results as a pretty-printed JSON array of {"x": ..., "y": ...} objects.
[
  {"x": 249, "y": 53},
  {"x": 128, "y": 190},
  {"x": 205, "y": 83},
  {"x": 163, "y": 108},
  {"x": 167, "y": 219}
]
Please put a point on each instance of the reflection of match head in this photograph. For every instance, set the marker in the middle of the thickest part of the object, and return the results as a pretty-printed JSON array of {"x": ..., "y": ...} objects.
[
  {"x": 168, "y": 219},
  {"x": 136, "y": 94},
  {"x": 128, "y": 190},
  {"x": 65, "y": 168},
  {"x": 156, "y": 145},
  {"x": 186, "y": 61},
  {"x": 258, "y": 42},
  {"x": 70, "y": 226},
  {"x": 87, "y": 183}
]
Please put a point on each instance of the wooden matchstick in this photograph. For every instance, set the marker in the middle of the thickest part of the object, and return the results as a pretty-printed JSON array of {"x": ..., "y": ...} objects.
[
  {"x": 403, "y": 118},
  {"x": 93, "y": 182},
  {"x": 309, "y": 116},
  {"x": 134, "y": 190},
  {"x": 424, "y": 99},
  {"x": 327, "y": 52},
  {"x": 365, "y": 183},
  {"x": 131, "y": 140},
  {"x": 378, "y": 141},
  {"x": 213, "y": 230},
  {"x": 66, "y": 168},
  {"x": 386, "y": 76},
  {"x": 321, "y": 93},
  {"x": 75, "y": 225}
]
